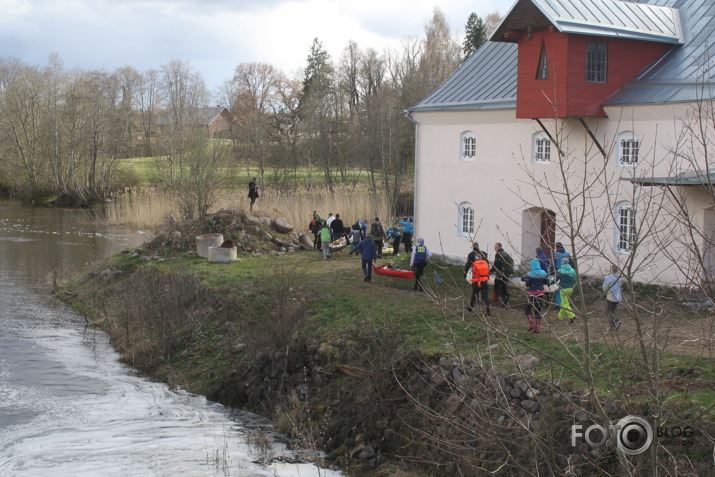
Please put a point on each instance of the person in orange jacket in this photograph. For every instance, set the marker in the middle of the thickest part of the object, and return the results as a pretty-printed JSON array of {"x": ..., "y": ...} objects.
[{"x": 480, "y": 282}]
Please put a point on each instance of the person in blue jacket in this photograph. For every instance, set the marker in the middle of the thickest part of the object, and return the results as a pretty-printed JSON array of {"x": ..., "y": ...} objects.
[
  {"x": 535, "y": 280},
  {"x": 409, "y": 228},
  {"x": 418, "y": 261},
  {"x": 369, "y": 255}
]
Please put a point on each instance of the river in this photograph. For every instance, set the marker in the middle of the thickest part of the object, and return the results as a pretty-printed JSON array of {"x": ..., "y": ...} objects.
[{"x": 68, "y": 407}]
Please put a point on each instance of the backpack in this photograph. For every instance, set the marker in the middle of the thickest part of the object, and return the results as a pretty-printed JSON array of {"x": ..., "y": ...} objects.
[
  {"x": 509, "y": 264},
  {"x": 377, "y": 231}
]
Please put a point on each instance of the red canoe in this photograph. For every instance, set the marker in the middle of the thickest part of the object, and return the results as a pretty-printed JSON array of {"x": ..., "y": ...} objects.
[{"x": 392, "y": 271}]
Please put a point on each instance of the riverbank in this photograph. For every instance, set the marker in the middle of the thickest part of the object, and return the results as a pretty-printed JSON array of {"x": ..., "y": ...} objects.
[{"x": 381, "y": 378}]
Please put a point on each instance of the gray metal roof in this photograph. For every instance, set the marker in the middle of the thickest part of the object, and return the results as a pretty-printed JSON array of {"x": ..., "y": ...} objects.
[
  {"x": 613, "y": 18},
  {"x": 687, "y": 178},
  {"x": 685, "y": 73},
  {"x": 487, "y": 79}
]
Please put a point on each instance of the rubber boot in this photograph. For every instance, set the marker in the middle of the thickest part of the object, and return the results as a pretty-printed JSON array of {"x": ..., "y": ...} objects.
[
  {"x": 531, "y": 322},
  {"x": 495, "y": 295},
  {"x": 537, "y": 325},
  {"x": 489, "y": 310}
]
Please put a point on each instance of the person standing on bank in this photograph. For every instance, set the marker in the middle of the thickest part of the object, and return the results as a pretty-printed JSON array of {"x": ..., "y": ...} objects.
[
  {"x": 337, "y": 227},
  {"x": 566, "y": 276},
  {"x": 393, "y": 233},
  {"x": 418, "y": 261},
  {"x": 326, "y": 236},
  {"x": 369, "y": 255},
  {"x": 480, "y": 282},
  {"x": 502, "y": 269},
  {"x": 253, "y": 191},
  {"x": 535, "y": 280},
  {"x": 472, "y": 257},
  {"x": 409, "y": 228},
  {"x": 378, "y": 235},
  {"x": 612, "y": 286}
]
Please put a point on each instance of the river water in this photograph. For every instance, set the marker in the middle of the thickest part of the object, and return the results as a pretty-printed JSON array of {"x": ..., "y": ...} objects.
[{"x": 68, "y": 407}]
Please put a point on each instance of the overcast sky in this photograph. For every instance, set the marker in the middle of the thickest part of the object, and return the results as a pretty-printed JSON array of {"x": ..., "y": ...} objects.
[{"x": 213, "y": 35}]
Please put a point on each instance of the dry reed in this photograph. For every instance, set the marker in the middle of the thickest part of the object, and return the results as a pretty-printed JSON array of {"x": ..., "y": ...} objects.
[{"x": 150, "y": 209}]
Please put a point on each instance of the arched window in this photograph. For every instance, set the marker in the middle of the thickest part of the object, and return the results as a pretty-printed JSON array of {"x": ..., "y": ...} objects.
[
  {"x": 625, "y": 227},
  {"x": 627, "y": 149},
  {"x": 540, "y": 148},
  {"x": 468, "y": 146},
  {"x": 465, "y": 221}
]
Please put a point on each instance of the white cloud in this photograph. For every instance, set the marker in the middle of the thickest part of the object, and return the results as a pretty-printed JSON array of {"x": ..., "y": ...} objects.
[{"x": 214, "y": 36}]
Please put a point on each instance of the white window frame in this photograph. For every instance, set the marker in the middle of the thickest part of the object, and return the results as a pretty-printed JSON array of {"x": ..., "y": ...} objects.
[
  {"x": 624, "y": 231},
  {"x": 466, "y": 219},
  {"x": 467, "y": 146},
  {"x": 628, "y": 146},
  {"x": 540, "y": 148}
]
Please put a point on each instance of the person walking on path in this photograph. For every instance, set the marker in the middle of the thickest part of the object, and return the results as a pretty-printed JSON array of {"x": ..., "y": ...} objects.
[
  {"x": 559, "y": 255},
  {"x": 480, "y": 283},
  {"x": 378, "y": 235},
  {"x": 337, "y": 227},
  {"x": 612, "y": 284},
  {"x": 535, "y": 280},
  {"x": 314, "y": 226},
  {"x": 369, "y": 255},
  {"x": 326, "y": 236},
  {"x": 418, "y": 261},
  {"x": 409, "y": 228},
  {"x": 502, "y": 269},
  {"x": 472, "y": 257},
  {"x": 355, "y": 235},
  {"x": 566, "y": 276},
  {"x": 253, "y": 191}
]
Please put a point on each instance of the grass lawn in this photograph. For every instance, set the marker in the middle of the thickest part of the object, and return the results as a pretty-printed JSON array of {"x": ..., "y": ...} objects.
[{"x": 344, "y": 310}]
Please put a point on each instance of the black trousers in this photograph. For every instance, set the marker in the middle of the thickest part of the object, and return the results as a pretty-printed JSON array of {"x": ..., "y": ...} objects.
[
  {"x": 500, "y": 289},
  {"x": 419, "y": 271},
  {"x": 482, "y": 291}
]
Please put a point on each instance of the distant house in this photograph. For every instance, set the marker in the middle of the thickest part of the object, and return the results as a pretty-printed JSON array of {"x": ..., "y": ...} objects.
[
  {"x": 592, "y": 95},
  {"x": 216, "y": 119}
]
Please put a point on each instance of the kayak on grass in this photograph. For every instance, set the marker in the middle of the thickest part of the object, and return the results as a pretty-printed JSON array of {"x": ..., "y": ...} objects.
[
  {"x": 338, "y": 244},
  {"x": 392, "y": 271}
]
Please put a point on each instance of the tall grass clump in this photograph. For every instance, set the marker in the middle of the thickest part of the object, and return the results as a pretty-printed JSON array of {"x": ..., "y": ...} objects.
[{"x": 152, "y": 208}]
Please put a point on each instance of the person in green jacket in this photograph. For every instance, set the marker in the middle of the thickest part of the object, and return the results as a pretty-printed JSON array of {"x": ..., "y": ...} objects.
[
  {"x": 566, "y": 276},
  {"x": 326, "y": 236}
]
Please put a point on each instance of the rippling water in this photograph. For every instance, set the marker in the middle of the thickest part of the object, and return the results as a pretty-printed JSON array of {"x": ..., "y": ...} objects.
[{"x": 67, "y": 406}]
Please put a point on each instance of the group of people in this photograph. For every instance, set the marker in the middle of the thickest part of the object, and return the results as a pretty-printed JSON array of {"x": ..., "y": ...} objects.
[{"x": 543, "y": 271}]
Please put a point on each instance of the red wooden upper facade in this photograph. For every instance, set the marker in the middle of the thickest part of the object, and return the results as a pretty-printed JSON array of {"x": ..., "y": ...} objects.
[{"x": 566, "y": 72}]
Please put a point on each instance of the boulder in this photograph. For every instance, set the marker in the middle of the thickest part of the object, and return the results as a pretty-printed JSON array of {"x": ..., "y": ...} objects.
[{"x": 282, "y": 226}]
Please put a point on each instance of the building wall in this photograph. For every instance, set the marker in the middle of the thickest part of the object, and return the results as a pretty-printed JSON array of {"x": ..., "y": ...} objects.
[
  {"x": 566, "y": 92},
  {"x": 507, "y": 189}
]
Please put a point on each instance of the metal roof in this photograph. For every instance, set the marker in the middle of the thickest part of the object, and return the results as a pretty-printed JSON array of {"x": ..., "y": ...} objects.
[
  {"x": 487, "y": 79},
  {"x": 685, "y": 73},
  {"x": 614, "y": 18},
  {"x": 687, "y": 178}
]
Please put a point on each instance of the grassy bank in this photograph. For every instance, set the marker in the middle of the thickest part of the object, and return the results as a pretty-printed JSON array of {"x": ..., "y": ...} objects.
[{"x": 192, "y": 323}]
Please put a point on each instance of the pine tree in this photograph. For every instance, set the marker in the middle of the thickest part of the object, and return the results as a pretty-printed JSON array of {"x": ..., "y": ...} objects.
[{"x": 474, "y": 34}]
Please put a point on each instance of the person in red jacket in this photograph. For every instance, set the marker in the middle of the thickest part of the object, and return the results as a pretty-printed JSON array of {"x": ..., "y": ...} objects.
[{"x": 480, "y": 282}]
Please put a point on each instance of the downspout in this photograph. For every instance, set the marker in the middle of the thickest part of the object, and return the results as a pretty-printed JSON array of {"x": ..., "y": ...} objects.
[{"x": 409, "y": 117}]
